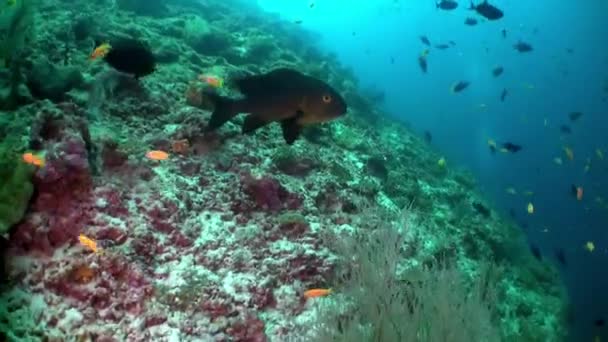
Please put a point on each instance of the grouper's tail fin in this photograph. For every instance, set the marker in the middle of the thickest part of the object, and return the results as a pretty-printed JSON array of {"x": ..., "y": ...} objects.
[{"x": 224, "y": 109}]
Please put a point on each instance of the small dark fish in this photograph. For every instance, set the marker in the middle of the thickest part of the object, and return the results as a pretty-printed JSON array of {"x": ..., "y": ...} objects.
[
  {"x": 487, "y": 11},
  {"x": 460, "y": 86},
  {"x": 428, "y": 137},
  {"x": 560, "y": 255},
  {"x": 600, "y": 322},
  {"x": 565, "y": 129},
  {"x": 425, "y": 40},
  {"x": 282, "y": 95},
  {"x": 447, "y": 5},
  {"x": 392, "y": 60},
  {"x": 470, "y": 21},
  {"x": 131, "y": 57},
  {"x": 536, "y": 252},
  {"x": 512, "y": 213},
  {"x": 574, "y": 190},
  {"x": 504, "y": 33},
  {"x": 575, "y": 115},
  {"x": 482, "y": 209},
  {"x": 442, "y": 46},
  {"x": 523, "y": 47},
  {"x": 511, "y": 147},
  {"x": 503, "y": 95},
  {"x": 451, "y": 42},
  {"x": 299, "y": 21},
  {"x": 422, "y": 63},
  {"x": 497, "y": 71},
  {"x": 569, "y": 50}
]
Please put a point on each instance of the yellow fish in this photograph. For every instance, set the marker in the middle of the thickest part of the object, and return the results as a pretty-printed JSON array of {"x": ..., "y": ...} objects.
[
  {"x": 530, "y": 208},
  {"x": 89, "y": 243},
  {"x": 590, "y": 246},
  {"x": 569, "y": 153},
  {"x": 600, "y": 154},
  {"x": 441, "y": 162}
]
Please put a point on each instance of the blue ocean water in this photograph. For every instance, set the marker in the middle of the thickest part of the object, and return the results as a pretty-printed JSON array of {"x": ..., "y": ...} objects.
[{"x": 566, "y": 72}]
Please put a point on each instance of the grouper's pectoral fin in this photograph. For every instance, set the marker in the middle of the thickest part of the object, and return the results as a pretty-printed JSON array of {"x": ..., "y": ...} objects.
[
  {"x": 253, "y": 122},
  {"x": 291, "y": 130}
]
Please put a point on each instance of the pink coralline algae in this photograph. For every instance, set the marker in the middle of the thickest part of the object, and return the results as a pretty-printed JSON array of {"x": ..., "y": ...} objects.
[
  {"x": 268, "y": 194},
  {"x": 251, "y": 329},
  {"x": 63, "y": 205}
]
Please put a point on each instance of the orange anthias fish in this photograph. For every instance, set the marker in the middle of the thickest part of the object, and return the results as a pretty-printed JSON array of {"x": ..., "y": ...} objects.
[
  {"x": 100, "y": 51},
  {"x": 33, "y": 159},
  {"x": 211, "y": 80},
  {"x": 89, "y": 243},
  {"x": 579, "y": 193},
  {"x": 157, "y": 155},
  {"x": 314, "y": 293}
]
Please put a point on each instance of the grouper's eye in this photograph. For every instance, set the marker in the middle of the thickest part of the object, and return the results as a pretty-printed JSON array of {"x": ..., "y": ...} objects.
[{"x": 327, "y": 98}]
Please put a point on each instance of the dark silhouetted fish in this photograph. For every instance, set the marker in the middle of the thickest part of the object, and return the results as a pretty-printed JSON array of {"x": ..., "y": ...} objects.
[
  {"x": 511, "y": 147},
  {"x": 442, "y": 46},
  {"x": 600, "y": 322},
  {"x": 575, "y": 115},
  {"x": 503, "y": 95},
  {"x": 131, "y": 57},
  {"x": 487, "y": 11},
  {"x": 560, "y": 256},
  {"x": 482, "y": 209},
  {"x": 447, "y": 5},
  {"x": 536, "y": 252},
  {"x": 523, "y": 47},
  {"x": 428, "y": 137},
  {"x": 497, "y": 71},
  {"x": 425, "y": 40},
  {"x": 565, "y": 129},
  {"x": 504, "y": 33},
  {"x": 470, "y": 21},
  {"x": 460, "y": 86},
  {"x": 422, "y": 63},
  {"x": 282, "y": 95}
]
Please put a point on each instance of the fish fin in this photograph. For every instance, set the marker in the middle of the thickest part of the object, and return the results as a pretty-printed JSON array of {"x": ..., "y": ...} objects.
[
  {"x": 291, "y": 130},
  {"x": 223, "y": 110},
  {"x": 252, "y": 123},
  {"x": 276, "y": 81}
]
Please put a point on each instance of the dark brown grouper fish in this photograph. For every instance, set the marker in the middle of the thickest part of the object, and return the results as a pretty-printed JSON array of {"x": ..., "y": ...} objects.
[{"x": 282, "y": 95}]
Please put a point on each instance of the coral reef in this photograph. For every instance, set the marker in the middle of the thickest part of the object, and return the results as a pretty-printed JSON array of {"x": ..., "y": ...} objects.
[{"x": 219, "y": 241}]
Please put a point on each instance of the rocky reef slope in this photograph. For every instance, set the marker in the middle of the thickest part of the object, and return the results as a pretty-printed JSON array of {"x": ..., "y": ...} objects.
[{"x": 218, "y": 242}]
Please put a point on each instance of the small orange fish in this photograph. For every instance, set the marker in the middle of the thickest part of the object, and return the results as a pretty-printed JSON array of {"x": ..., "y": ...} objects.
[
  {"x": 157, "y": 155},
  {"x": 314, "y": 293},
  {"x": 579, "y": 193},
  {"x": 33, "y": 159},
  {"x": 180, "y": 146},
  {"x": 211, "y": 80},
  {"x": 100, "y": 51},
  {"x": 88, "y": 242}
]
